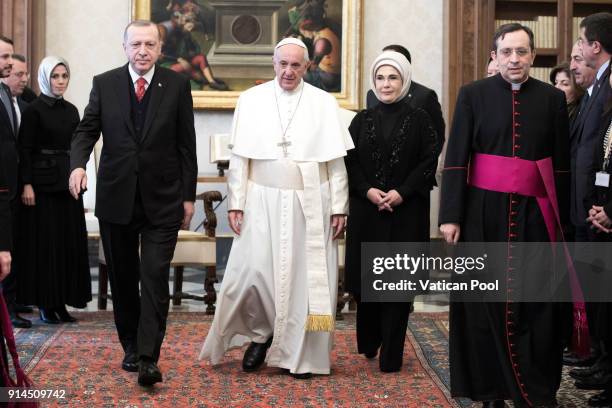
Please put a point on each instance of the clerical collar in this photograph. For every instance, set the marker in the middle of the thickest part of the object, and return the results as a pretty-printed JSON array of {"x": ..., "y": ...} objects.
[
  {"x": 509, "y": 85},
  {"x": 134, "y": 75},
  {"x": 283, "y": 92}
]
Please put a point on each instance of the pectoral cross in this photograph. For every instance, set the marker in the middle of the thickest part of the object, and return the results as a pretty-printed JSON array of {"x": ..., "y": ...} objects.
[{"x": 284, "y": 144}]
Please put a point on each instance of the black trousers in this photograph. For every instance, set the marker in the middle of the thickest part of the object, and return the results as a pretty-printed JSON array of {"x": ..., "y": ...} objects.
[
  {"x": 383, "y": 325},
  {"x": 9, "y": 284},
  {"x": 140, "y": 316}
]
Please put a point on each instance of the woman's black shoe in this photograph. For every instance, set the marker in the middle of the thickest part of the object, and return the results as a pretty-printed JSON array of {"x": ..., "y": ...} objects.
[
  {"x": 494, "y": 404},
  {"x": 48, "y": 316},
  {"x": 64, "y": 316}
]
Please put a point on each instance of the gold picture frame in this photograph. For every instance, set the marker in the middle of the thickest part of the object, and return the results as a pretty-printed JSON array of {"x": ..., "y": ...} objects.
[{"x": 347, "y": 90}]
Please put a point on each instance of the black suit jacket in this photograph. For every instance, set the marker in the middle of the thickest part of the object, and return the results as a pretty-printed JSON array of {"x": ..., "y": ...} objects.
[
  {"x": 22, "y": 103},
  {"x": 420, "y": 96},
  {"x": 9, "y": 155},
  {"x": 5, "y": 213},
  {"x": 161, "y": 163},
  {"x": 583, "y": 136}
]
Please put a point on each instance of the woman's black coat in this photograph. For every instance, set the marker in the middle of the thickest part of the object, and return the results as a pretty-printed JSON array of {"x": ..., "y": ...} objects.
[{"x": 406, "y": 162}]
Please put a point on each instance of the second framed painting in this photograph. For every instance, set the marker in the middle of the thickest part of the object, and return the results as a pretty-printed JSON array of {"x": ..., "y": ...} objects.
[{"x": 226, "y": 46}]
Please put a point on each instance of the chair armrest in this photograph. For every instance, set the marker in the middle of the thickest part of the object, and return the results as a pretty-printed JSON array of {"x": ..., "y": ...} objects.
[{"x": 210, "y": 218}]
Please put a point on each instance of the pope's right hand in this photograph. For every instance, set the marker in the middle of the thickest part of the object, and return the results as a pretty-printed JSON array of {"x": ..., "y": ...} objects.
[
  {"x": 235, "y": 220},
  {"x": 77, "y": 182},
  {"x": 450, "y": 232}
]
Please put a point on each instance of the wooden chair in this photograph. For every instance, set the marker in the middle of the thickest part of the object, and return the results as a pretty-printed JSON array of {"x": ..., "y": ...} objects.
[
  {"x": 192, "y": 249},
  {"x": 198, "y": 249}
]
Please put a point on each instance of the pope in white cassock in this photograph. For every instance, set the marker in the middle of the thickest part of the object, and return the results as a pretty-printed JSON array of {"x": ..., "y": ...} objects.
[{"x": 288, "y": 198}]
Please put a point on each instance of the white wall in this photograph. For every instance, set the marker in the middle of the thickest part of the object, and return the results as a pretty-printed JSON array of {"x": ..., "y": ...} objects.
[
  {"x": 415, "y": 24},
  {"x": 89, "y": 35}
]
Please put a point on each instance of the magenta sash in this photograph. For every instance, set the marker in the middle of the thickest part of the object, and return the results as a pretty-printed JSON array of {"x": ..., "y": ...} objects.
[{"x": 533, "y": 179}]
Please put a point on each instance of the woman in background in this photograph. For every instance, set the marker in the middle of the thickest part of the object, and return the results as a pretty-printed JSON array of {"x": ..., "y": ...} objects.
[
  {"x": 55, "y": 257},
  {"x": 391, "y": 172},
  {"x": 562, "y": 78}
]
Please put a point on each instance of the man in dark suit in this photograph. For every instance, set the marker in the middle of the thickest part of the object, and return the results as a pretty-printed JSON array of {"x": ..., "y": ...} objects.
[
  {"x": 145, "y": 188},
  {"x": 5, "y": 248},
  {"x": 5, "y": 228},
  {"x": 596, "y": 45},
  {"x": 9, "y": 161},
  {"x": 419, "y": 96},
  {"x": 583, "y": 133},
  {"x": 17, "y": 82}
]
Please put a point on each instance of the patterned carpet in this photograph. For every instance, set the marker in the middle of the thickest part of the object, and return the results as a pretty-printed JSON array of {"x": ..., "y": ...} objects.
[{"x": 84, "y": 359}]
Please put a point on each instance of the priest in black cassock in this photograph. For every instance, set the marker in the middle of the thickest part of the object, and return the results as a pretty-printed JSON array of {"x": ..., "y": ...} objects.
[{"x": 505, "y": 350}]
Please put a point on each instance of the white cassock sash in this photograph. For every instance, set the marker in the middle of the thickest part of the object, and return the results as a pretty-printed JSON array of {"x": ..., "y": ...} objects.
[{"x": 320, "y": 317}]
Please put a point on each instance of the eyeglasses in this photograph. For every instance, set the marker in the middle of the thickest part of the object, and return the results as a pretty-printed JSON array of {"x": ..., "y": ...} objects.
[
  {"x": 21, "y": 74},
  {"x": 521, "y": 52}
]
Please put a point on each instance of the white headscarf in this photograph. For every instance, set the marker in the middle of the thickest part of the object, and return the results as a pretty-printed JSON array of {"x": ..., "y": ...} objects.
[
  {"x": 397, "y": 61},
  {"x": 47, "y": 65}
]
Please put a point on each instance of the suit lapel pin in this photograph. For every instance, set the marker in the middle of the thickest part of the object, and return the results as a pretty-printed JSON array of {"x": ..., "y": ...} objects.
[{"x": 159, "y": 84}]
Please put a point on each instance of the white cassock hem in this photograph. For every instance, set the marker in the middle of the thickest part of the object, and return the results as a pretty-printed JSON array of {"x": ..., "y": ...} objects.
[{"x": 264, "y": 290}]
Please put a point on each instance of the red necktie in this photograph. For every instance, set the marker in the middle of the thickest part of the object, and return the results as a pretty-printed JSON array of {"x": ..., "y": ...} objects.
[{"x": 140, "y": 88}]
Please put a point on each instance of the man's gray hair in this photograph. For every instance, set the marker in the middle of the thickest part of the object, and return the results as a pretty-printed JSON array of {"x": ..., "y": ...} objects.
[{"x": 140, "y": 23}]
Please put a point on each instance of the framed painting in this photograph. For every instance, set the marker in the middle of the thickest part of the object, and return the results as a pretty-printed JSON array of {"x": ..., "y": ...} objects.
[{"x": 226, "y": 46}]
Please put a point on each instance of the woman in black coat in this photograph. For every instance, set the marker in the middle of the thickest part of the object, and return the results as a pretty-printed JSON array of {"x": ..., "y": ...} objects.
[
  {"x": 55, "y": 267},
  {"x": 391, "y": 172}
]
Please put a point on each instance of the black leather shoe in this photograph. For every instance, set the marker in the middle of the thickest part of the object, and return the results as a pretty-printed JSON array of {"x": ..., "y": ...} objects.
[
  {"x": 255, "y": 355},
  {"x": 582, "y": 373},
  {"x": 300, "y": 376},
  {"x": 130, "y": 361},
  {"x": 64, "y": 316},
  {"x": 598, "y": 381},
  {"x": 371, "y": 354},
  {"x": 571, "y": 359},
  {"x": 493, "y": 404},
  {"x": 20, "y": 322},
  {"x": 600, "y": 400},
  {"x": 48, "y": 316},
  {"x": 148, "y": 373},
  {"x": 19, "y": 308}
]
